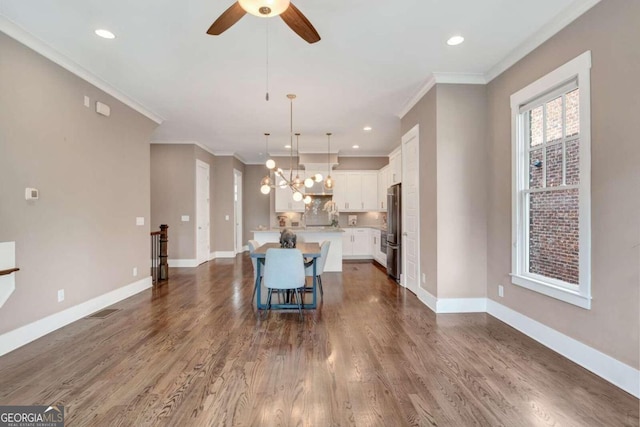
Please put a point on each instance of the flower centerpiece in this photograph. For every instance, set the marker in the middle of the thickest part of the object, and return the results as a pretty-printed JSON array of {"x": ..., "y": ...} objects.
[{"x": 331, "y": 208}]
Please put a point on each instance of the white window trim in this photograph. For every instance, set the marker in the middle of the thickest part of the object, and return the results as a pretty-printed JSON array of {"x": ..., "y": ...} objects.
[{"x": 580, "y": 68}]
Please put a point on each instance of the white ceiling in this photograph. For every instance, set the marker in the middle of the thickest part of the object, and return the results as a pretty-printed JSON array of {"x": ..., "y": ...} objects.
[{"x": 374, "y": 56}]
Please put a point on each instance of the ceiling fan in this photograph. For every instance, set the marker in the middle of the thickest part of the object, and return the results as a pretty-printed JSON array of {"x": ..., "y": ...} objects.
[{"x": 290, "y": 14}]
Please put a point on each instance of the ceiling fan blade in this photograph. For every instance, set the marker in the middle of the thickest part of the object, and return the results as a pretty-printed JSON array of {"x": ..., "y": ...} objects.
[
  {"x": 227, "y": 19},
  {"x": 300, "y": 24}
]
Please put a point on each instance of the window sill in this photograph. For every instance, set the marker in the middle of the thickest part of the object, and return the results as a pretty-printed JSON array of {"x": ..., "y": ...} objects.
[{"x": 562, "y": 294}]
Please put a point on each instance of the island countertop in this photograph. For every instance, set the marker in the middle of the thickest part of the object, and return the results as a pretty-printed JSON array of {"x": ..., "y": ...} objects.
[
  {"x": 310, "y": 235},
  {"x": 302, "y": 230}
]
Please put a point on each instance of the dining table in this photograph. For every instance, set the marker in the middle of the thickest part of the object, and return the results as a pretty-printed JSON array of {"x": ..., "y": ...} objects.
[{"x": 309, "y": 251}]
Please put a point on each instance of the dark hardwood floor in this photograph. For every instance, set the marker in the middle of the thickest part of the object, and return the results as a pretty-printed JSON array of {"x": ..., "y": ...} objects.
[{"x": 194, "y": 353}]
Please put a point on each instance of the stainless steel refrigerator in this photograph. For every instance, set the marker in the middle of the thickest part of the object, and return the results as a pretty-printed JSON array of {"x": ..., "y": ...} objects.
[{"x": 394, "y": 233}]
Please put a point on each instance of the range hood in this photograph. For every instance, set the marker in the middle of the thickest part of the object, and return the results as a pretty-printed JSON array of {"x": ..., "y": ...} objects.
[{"x": 312, "y": 165}]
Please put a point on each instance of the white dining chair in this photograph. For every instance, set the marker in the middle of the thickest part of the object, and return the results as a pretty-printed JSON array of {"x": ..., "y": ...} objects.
[
  {"x": 284, "y": 270},
  {"x": 253, "y": 245},
  {"x": 320, "y": 262}
]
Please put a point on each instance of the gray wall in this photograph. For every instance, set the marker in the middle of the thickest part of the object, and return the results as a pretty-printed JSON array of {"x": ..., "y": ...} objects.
[
  {"x": 93, "y": 176},
  {"x": 452, "y": 121},
  {"x": 611, "y": 31},
  {"x": 222, "y": 202},
  {"x": 173, "y": 195},
  {"x": 255, "y": 204},
  {"x": 361, "y": 163},
  {"x": 461, "y": 191}
]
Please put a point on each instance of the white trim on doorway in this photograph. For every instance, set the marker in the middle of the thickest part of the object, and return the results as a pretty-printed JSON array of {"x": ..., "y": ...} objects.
[
  {"x": 203, "y": 211},
  {"x": 237, "y": 212}
]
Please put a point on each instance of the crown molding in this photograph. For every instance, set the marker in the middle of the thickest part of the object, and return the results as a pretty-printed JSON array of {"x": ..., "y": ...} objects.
[
  {"x": 168, "y": 142},
  {"x": 422, "y": 91},
  {"x": 19, "y": 34},
  {"x": 567, "y": 16},
  {"x": 564, "y": 18},
  {"x": 460, "y": 78}
]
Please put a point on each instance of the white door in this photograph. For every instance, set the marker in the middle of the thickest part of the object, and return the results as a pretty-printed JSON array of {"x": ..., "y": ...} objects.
[
  {"x": 410, "y": 211},
  {"x": 202, "y": 212},
  {"x": 237, "y": 209}
]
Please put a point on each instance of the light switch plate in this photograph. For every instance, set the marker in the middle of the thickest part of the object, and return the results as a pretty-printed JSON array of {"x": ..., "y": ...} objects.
[
  {"x": 87, "y": 101},
  {"x": 184, "y": 218},
  {"x": 139, "y": 220},
  {"x": 500, "y": 291},
  {"x": 226, "y": 217}
]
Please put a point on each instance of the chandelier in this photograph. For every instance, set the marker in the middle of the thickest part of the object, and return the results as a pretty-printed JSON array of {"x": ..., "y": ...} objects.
[{"x": 297, "y": 184}]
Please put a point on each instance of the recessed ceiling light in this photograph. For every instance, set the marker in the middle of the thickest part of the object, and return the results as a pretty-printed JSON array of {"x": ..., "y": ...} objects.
[
  {"x": 455, "y": 40},
  {"x": 287, "y": 146},
  {"x": 105, "y": 34},
  {"x": 356, "y": 147},
  {"x": 367, "y": 128}
]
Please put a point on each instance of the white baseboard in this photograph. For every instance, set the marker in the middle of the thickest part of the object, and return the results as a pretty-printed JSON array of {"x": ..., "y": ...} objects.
[
  {"x": 617, "y": 373},
  {"x": 183, "y": 263},
  {"x": 461, "y": 305},
  {"x": 427, "y": 299},
  {"x": 16, "y": 338},
  {"x": 612, "y": 370},
  {"x": 223, "y": 254},
  {"x": 452, "y": 305}
]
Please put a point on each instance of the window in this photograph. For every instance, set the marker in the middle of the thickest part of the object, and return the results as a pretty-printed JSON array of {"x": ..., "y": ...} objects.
[{"x": 551, "y": 251}]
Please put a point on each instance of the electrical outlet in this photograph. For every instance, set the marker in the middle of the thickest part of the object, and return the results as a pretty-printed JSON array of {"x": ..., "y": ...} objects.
[
  {"x": 60, "y": 295},
  {"x": 424, "y": 278},
  {"x": 135, "y": 271},
  {"x": 500, "y": 291}
]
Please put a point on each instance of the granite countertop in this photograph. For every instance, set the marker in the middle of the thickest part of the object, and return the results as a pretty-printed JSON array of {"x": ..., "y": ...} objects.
[{"x": 303, "y": 230}]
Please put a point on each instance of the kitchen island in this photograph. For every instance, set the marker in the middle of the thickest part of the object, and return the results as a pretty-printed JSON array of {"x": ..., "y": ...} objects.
[{"x": 310, "y": 235}]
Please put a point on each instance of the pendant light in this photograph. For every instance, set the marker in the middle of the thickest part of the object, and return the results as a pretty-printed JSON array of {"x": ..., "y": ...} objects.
[
  {"x": 298, "y": 182},
  {"x": 328, "y": 183},
  {"x": 270, "y": 163},
  {"x": 266, "y": 183}
]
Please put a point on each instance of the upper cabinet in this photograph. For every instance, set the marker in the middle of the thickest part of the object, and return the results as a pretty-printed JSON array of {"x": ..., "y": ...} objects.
[
  {"x": 395, "y": 166},
  {"x": 383, "y": 184},
  {"x": 356, "y": 191},
  {"x": 285, "y": 202}
]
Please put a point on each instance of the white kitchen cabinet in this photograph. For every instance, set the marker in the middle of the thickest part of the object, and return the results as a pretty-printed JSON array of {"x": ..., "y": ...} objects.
[
  {"x": 356, "y": 243},
  {"x": 395, "y": 167},
  {"x": 378, "y": 255},
  {"x": 356, "y": 191},
  {"x": 369, "y": 191},
  {"x": 285, "y": 202},
  {"x": 383, "y": 184},
  {"x": 340, "y": 190}
]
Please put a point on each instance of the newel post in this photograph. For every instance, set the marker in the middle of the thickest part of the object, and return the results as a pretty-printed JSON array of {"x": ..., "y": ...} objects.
[{"x": 164, "y": 252}]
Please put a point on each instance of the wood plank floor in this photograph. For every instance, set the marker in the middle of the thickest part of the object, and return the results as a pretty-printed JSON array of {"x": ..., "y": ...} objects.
[{"x": 194, "y": 353}]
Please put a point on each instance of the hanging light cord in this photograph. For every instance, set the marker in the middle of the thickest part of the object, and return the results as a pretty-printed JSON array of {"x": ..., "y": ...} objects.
[
  {"x": 291, "y": 142},
  {"x": 267, "y": 60}
]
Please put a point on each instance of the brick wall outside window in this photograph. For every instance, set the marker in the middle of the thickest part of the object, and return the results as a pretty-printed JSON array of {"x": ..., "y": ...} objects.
[{"x": 553, "y": 215}]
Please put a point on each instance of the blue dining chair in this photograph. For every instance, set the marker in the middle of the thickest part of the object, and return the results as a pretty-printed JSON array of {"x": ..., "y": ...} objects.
[
  {"x": 320, "y": 262},
  {"x": 284, "y": 270}
]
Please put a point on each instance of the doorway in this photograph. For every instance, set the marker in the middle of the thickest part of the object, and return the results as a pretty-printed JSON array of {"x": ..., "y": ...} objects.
[
  {"x": 411, "y": 210},
  {"x": 237, "y": 211},
  {"x": 202, "y": 212}
]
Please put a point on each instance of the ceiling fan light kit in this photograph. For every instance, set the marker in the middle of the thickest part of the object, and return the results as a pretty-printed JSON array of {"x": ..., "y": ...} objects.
[
  {"x": 290, "y": 14},
  {"x": 264, "y": 8}
]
